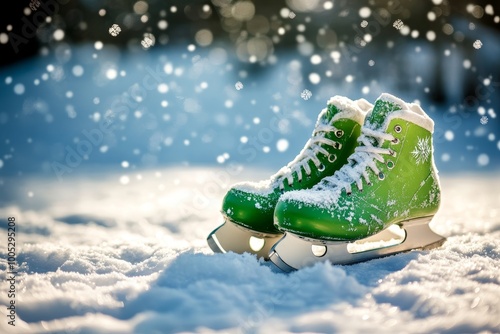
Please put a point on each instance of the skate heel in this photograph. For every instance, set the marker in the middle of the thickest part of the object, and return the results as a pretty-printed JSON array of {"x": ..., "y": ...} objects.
[
  {"x": 293, "y": 252},
  {"x": 419, "y": 235},
  {"x": 237, "y": 239}
]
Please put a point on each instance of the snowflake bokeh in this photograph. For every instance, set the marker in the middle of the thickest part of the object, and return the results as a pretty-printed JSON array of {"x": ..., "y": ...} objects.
[
  {"x": 398, "y": 24},
  {"x": 272, "y": 52},
  {"x": 148, "y": 40},
  {"x": 306, "y": 94},
  {"x": 34, "y": 4},
  {"x": 114, "y": 30}
]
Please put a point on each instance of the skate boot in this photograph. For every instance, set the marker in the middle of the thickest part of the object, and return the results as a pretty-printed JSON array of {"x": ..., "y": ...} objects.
[
  {"x": 383, "y": 198},
  {"x": 248, "y": 207}
]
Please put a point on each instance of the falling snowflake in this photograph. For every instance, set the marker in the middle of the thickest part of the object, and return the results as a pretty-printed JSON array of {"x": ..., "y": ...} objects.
[
  {"x": 238, "y": 85},
  {"x": 477, "y": 44},
  {"x": 114, "y": 30},
  {"x": 306, "y": 94},
  {"x": 398, "y": 24},
  {"x": 422, "y": 150},
  {"x": 34, "y": 4},
  {"x": 148, "y": 41},
  {"x": 484, "y": 120},
  {"x": 364, "y": 24}
]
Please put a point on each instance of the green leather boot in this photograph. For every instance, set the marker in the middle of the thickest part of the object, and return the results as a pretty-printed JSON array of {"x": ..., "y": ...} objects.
[{"x": 390, "y": 179}]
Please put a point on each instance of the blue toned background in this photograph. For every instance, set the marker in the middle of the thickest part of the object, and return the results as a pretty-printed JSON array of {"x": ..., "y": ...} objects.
[{"x": 210, "y": 103}]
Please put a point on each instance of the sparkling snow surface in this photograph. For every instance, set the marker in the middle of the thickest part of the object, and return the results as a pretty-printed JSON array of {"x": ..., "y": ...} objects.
[{"x": 142, "y": 264}]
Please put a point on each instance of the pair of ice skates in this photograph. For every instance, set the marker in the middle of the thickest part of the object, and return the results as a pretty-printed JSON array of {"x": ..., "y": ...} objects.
[{"x": 364, "y": 186}]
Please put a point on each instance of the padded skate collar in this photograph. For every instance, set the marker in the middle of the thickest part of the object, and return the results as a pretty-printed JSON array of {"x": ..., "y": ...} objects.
[
  {"x": 346, "y": 108},
  {"x": 388, "y": 107}
]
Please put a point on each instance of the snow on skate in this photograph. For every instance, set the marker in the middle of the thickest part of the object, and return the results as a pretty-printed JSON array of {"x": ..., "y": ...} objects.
[{"x": 390, "y": 181}]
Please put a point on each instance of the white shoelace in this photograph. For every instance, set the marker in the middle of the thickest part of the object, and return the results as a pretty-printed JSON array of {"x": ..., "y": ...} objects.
[
  {"x": 363, "y": 156},
  {"x": 309, "y": 152}
]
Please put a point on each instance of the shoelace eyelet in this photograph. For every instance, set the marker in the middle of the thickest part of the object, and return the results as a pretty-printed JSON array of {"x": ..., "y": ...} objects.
[
  {"x": 337, "y": 145},
  {"x": 332, "y": 158},
  {"x": 321, "y": 167},
  {"x": 398, "y": 128},
  {"x": 395, "y": 141},
  {"x": 381, "y": 176},
  {"x": 339, "y": 133},
  {"x": 390, "y": 164}
]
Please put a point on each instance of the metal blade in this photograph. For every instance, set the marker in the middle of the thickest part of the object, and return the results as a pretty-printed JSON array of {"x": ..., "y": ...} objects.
[
  {"x": 293, "y": 252},
  {"x": 231, "y": 237}
]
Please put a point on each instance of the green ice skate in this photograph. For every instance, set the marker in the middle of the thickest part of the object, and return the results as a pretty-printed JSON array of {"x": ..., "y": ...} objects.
[
  {"x": 389, "y": 181},
  {"x": 248, "y": 207}
]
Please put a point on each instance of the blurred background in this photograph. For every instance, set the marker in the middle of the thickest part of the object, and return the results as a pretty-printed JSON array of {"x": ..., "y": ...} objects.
[{"x": 127, "y": 85}]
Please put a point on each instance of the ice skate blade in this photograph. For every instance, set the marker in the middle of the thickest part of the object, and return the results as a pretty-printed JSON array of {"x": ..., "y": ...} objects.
[
  {"x": 231, "y": 237},
  {"x": 293, "y": 252}
]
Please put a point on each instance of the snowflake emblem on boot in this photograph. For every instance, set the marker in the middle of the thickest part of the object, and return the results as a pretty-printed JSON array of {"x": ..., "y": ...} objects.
[{"x": 422, "y": 150}]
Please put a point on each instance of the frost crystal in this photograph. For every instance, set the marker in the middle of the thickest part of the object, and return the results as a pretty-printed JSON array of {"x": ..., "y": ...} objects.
[
  {"x": 477, "y": 44},
  {"x": 306, "y": 94},
  {"x": 148, "y": 41},
  {"x": 422, "y": 150},
  {"x": 484, "y": 120},
  {"x": 114, "y": 30},
  {"x": 238, "y": 85},
  {"x": 398, "y": 24}
]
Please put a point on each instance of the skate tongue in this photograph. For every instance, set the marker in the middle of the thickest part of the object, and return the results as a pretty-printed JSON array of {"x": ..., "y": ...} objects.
[
  {"x": 335, "y": 105},
  {"x": 384, "y": 106}
]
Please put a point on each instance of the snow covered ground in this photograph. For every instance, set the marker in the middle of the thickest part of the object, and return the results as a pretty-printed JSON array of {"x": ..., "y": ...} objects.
[{"x": 105, "y": 254}]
